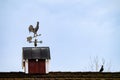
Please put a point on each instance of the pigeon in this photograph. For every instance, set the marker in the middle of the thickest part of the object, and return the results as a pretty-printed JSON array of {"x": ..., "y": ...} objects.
[{"x": 101, "y": 69}]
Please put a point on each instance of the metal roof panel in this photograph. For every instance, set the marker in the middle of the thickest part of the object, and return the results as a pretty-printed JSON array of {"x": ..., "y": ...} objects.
[{"x": 36, "y": 53}]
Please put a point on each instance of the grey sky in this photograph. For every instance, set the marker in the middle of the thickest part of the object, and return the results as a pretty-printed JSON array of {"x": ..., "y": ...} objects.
[{"x": 75, "y": 31}]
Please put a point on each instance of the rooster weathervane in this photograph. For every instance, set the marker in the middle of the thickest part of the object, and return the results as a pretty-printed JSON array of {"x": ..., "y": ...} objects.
[{"x": 34, "y": 30}]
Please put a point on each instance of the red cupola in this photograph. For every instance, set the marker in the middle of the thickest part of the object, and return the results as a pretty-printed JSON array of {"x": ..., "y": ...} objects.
[{"x": 36, "y": 59}]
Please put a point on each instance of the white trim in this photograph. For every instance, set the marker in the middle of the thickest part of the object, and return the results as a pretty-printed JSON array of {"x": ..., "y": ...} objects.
[
  {"x": 47, "y": 66},
  {"x": 26, "y": 66}
]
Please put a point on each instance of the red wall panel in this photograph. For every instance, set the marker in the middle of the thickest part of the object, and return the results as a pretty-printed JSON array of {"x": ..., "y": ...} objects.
[
  {"x": 37, "y": 66},
  {"x": 42, "y": 66},
  {"x": 32, "y": 66}
]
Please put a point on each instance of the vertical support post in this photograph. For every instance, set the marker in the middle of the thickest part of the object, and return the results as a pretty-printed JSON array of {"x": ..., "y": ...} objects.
[
  {"x": 26, "y": 66},
  {"x": 47, "y": 65}
]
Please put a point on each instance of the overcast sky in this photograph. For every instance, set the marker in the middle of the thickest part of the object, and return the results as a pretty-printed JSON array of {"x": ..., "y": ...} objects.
[{"x": 76, "y": 31}]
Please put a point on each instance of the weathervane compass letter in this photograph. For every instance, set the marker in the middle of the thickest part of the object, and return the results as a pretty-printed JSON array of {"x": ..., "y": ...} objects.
[{"x": 34, "y": 30}]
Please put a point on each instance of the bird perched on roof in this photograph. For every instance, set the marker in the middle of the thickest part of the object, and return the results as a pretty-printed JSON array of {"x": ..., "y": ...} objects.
[
  {"x": 34, "y": 30},
  {"x": 101, "y": 69}
]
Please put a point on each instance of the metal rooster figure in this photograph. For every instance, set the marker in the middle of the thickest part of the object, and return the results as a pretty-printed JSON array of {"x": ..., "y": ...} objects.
[{"x": 34, "y": 30}]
